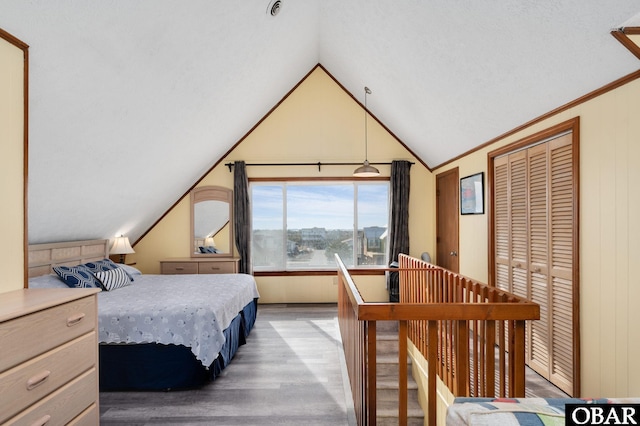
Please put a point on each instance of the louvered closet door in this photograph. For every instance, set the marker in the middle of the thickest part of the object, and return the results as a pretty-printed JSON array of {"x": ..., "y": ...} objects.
[
  {"x": 562, "y": 239},
  {"x": 518, "y": 223},
  {"x": 502, "y": 230},
  {"x": 538, "y": 278},
  {"x": 533, "y": 240}
]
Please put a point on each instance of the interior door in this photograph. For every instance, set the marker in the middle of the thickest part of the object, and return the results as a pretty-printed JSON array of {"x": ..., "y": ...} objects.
[{"x": 447, "y": 216}]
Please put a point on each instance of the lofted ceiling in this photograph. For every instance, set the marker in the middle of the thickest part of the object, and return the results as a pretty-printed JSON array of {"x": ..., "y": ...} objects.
[{"x": 131, "y": 101}]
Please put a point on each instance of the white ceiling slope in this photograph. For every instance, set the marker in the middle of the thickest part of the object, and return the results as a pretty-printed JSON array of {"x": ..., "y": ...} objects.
[{"x": 131, "y": 101}]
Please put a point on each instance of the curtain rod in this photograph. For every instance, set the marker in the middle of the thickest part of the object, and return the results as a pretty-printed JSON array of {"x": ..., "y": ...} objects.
[{"x": 319, "y": 164}]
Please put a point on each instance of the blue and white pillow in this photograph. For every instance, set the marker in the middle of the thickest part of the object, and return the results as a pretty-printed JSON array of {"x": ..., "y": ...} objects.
[
  {"x": 76, "y": 276},
  {"x": 100, "y": 265},
  {"x": 104, "y": 265},
  {"x": 113, "y": 279}
]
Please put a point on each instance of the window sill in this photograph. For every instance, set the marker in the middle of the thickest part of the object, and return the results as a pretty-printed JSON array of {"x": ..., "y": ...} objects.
[{"x": 319, "y": 272}]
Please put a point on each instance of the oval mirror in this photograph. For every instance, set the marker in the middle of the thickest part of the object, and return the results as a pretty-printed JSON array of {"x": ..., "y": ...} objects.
[{"x": 211, "y": 224}]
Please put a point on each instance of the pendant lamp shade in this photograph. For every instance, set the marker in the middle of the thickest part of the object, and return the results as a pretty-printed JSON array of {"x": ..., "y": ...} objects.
[{"x": 366, "y": 170}]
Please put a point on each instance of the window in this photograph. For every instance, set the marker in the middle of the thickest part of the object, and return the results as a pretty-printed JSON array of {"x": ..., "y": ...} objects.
[{"x": 300, "y": 225}]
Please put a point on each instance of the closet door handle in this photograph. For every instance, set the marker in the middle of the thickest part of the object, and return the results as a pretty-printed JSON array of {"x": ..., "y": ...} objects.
[{"x": 453, "y": 253}]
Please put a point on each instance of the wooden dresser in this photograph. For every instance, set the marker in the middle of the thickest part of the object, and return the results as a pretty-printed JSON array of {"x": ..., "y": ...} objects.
[
  {"x": 49, "y": 357},
  {"x": 201, "y": 265}
]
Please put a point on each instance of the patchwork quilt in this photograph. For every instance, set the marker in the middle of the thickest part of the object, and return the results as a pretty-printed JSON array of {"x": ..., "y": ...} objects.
[{"x": 512, "y": 411}]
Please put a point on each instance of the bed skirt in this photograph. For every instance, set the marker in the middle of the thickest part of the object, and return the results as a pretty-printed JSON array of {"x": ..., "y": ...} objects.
[{"x": 154, "y": 366}]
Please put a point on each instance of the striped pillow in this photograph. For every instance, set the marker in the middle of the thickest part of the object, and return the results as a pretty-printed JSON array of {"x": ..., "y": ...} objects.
[{"x": 113, "y": 279}]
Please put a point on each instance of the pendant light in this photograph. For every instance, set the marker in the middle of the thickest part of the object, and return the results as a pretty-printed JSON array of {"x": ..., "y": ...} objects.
[{"x": 366, "y": 170}]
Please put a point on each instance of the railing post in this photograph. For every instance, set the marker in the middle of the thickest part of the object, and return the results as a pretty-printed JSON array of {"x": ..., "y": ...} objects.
[
  {"x": 371, "y": 372},
  {"x": 402, "y": 372},
  {"x": 462, "y": 359},
  {"x": 432, "y": 345},
  {"x": 516, "y": 362}
]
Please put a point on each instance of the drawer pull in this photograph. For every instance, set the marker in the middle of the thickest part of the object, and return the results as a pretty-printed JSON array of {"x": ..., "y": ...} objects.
[
  {"x": 38, "y": 379},
  {"x": 179, "y": 268},
  {"x": 213, "y": 268},
  {"x": 75, "y": 319},
  {"x": 42, "y": 420}
]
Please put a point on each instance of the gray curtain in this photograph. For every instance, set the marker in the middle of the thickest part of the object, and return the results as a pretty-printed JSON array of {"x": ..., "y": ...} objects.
[
  {"x": 399, "y": 224},
  {"x": 242, "y": 216}
]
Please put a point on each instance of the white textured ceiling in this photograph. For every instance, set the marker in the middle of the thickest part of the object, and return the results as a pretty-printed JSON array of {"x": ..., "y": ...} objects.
[{"x": 133, "y": 100}]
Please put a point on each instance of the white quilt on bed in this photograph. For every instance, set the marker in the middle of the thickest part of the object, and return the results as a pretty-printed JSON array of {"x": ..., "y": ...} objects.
[{"x": 189, "y": 310}]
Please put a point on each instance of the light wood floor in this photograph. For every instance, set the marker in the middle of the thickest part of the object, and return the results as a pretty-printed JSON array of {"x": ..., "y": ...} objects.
[{"x": 291, "y": 372}]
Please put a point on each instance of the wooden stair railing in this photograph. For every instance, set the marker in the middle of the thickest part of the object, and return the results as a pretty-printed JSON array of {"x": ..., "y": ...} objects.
[{"x": 455, "y": 322}]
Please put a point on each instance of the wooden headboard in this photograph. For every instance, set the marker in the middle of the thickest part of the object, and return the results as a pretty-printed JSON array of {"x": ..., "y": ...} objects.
[{"x": 43, "y": 257}]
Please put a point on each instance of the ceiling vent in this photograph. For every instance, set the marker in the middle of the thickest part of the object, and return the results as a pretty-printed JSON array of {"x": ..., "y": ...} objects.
[{"x": 274, "y": 7}]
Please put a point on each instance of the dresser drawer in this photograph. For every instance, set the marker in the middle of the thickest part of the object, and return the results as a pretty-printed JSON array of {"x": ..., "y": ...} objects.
[
  {"x": 89, "y": 417},
  {"x": 216, "y": 267},
  {"x": 27, "y": 336},
  {"x": 26, "y": 383},
  {"x": 179, "y": 268},
  {"x": 63, "y": 405}
]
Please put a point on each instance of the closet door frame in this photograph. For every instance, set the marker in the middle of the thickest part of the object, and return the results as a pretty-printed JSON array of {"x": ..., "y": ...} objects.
[{"x": 573, "y": 126}]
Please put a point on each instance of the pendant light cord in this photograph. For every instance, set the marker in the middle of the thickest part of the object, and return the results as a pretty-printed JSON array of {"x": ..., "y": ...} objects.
[{"x": 366, "y": 138}]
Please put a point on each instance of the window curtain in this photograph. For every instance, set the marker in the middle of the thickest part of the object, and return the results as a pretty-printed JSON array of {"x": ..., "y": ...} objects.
[
  {"x": 242, "y": 216},
  {"x": 399, "y": 224}
]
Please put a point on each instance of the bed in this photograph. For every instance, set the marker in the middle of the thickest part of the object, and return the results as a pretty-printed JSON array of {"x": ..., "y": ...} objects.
[{"x": 156, "y": 332}]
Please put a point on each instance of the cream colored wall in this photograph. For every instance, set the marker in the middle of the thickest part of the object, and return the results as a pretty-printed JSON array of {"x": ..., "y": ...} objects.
[
  {"x": 11, "y": 165},
  {"x": 316, "y": 122},
  {"x": 609, "y": 236}
]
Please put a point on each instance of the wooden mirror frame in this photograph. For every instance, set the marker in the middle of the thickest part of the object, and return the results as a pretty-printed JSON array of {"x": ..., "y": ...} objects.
[{"x": 212, "y": 193}]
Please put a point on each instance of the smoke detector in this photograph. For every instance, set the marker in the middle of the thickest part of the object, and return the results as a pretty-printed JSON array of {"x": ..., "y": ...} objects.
[{"x": 274, "y": 7}]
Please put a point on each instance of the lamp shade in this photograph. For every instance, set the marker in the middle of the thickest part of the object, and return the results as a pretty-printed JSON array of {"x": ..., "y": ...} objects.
[
  {"x": 121, "y": 245},
  {"x": 366, "y": 170}
]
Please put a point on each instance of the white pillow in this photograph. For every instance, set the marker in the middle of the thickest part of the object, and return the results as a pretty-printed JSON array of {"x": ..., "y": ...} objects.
[
  {"x": 47, "y": 281},
  {"x": 130, "y": 270}
]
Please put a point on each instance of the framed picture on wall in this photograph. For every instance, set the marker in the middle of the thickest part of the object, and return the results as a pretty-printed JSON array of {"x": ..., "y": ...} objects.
[{"x": 472, "y": 194}]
